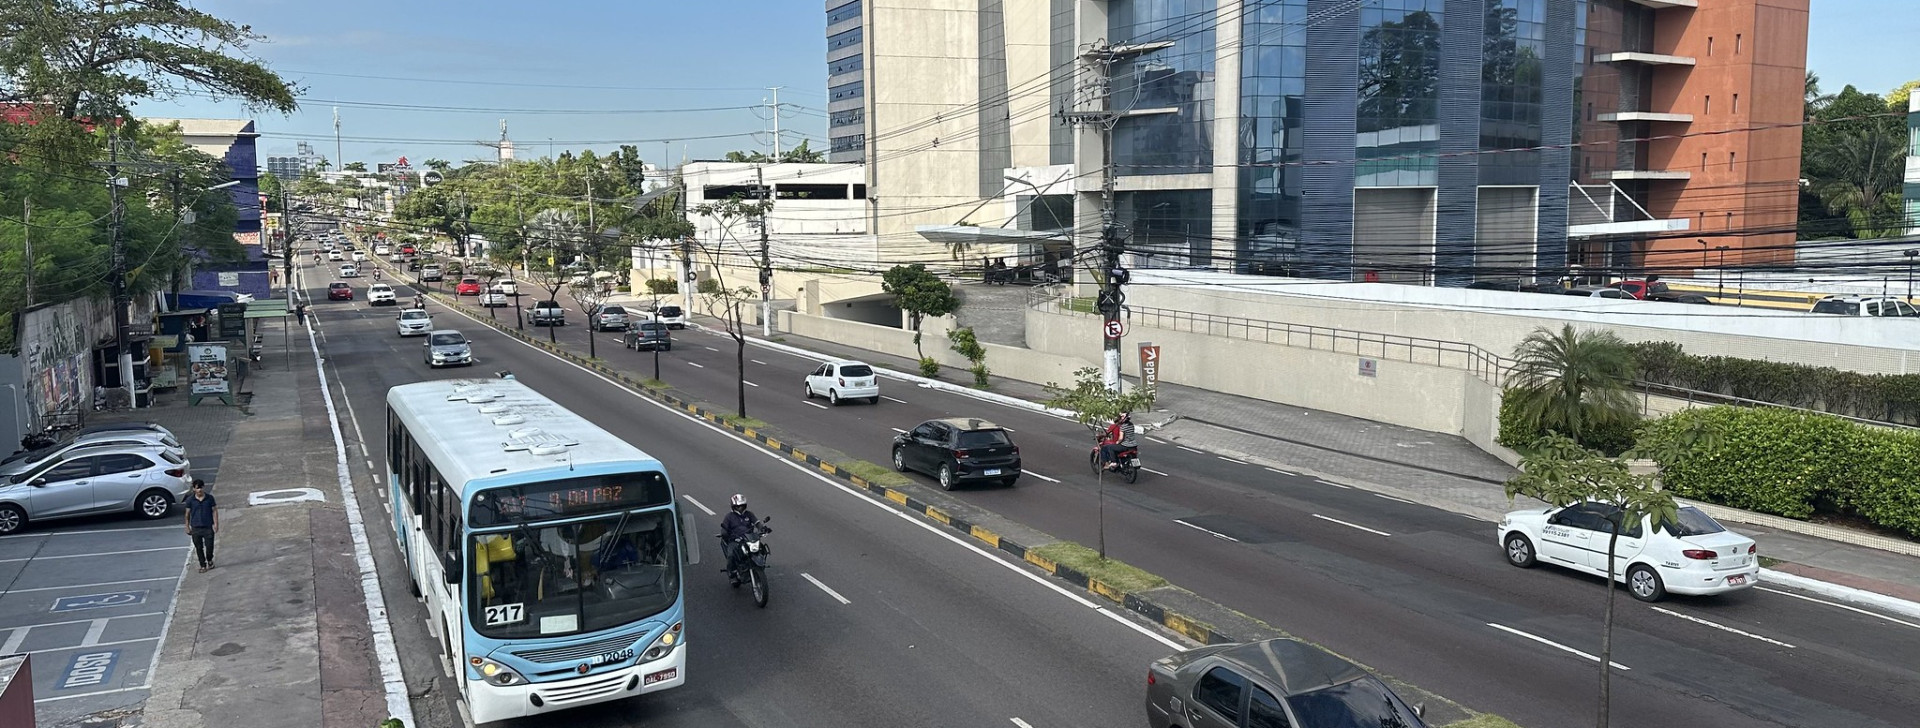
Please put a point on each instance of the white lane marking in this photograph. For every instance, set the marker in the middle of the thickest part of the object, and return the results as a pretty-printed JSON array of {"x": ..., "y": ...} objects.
[
  {"x": 1551, "y": 643},
  {"x": 891, "y": 399},
  {"x": 88, "y": 695},
  {"x": 94, "y": 530},
  {"x": 1329, "y": 482},
  {"x": 829, "y": 590},
  {"x": 399, "y": 705},
  {"x": 96, "y": 644},
  {"x": 1156, "y": 472},
  {"x": 896, "y": 429},
  {"x": 1722, "y": 627},
  {"x": 98, "y": 553},
  {"x": 1156, "y": 439},
  {"x": 697, "y": 504},
  {"x": 817, "y": 404},
  {"x": 697, "y": 364},
  {"x": 1391, "y": 498},
  {"x": 761, "y": 363},
  {"x": 1042, "y": 477},
  {"x": 1021, "y": 723},
  {"x": 749, "y": 383},
  {"x": 1477, "y": 518},
  {"x": 94, "y": 630},
  {"x": 1350, "y": 525},
  {"x": 81, "y": 586},
  {"x": 884, "y": 505},
  {"x": 369, "y": 463},
  {"x": 1216, "y": 534},
  {"x": 1191, "y": 450},
  {"x": 1842, "y": 606},
  {"x": 1231, "y": 460},
  {"x": 12, "y": 645},
  {"x": 709, "y": 348},
  {"x": 1281, "y": 472}
]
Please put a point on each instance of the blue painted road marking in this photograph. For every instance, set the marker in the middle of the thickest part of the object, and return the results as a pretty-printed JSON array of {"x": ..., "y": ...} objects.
[
  {"x": 88, "y": 670},
  {"x": 98, "y": 601}
]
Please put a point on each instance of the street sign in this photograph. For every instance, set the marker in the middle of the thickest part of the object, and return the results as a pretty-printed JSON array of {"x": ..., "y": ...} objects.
[
  {"x": 1116, "y": 329},
  {"x": 1149, "y": 365}
]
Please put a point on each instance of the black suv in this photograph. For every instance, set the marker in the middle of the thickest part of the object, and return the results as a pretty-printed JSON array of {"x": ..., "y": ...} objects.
[
  {"x": 648, "y": 335},
  {"x": 959, "y": 450}
]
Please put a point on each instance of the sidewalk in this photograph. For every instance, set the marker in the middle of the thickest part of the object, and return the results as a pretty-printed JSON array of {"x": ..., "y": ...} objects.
[
  {"x": 1447, "y": 472},
  {"x": 277, "y": 634}
]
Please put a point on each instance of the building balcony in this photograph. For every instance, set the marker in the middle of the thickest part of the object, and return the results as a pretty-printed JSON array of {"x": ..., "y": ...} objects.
[
  {"x": 1651, "y": 175},
  {"x": 1664, "y": 4},
  {"x": 1655, "y": 116},
  {"x": 1651, "y": 59}
]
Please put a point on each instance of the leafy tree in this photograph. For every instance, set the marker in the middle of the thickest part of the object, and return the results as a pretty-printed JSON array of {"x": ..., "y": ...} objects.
[
  {"x": 1092, "y": 403},
  {"x": 437, "y": 164},
  {"x": 588, "y": 295},
  {"x": 354, "y": 167},
  {"x": 966, "y": 344},
  {"x": 1854, "y": 161},
  {"x": 920, "y": 293},
  {"x": 1563, "y": 473},
  {"x": 800, "y": 154},
  {"x": 1813, "y": 98},
  {"x": 95, "y": 58},
  {"x": 1897, "y": 98},
  {"x": 1572, "y": 382}
]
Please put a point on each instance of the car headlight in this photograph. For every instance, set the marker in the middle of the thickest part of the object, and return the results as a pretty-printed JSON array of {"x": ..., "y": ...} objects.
[
  {"x": 663, "y": 645},
  {"x": 495, "y": 673}
]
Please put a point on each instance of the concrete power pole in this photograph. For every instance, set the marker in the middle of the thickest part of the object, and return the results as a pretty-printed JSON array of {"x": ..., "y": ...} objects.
[
  {"x": 118, "y": 271},
  {"x": 686, "y": 249},
  {"x": 339, "y": 157},
  {"x": 775, "y": 108},
  {"x": 766, "y": 262},
  {"x": 26, "y": 240}
]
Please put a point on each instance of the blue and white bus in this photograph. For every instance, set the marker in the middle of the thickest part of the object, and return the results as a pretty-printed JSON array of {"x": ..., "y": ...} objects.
[{"x": 547, "y": 550}]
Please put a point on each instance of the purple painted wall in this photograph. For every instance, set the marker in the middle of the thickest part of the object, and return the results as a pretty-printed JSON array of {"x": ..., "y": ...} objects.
[{"x": 252, "y": 282}]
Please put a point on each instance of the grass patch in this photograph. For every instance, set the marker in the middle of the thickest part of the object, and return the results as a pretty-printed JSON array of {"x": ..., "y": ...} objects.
[
  {"x": 875, "y": 474},
  {"x": 1484, "y": 720},
  {"x": 1768, "y": 562},
  {"x": 653, "y": 384},
  {"x": 1087, "y": 561},
  {"x": 752, "y": 422}
]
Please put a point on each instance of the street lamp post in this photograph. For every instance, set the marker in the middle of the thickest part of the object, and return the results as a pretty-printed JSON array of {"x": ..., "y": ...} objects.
[
  {"x": 1703, "y": 251},
  {"x": 1910, "y": 254},
  {"x": 1722, "y": 268}
]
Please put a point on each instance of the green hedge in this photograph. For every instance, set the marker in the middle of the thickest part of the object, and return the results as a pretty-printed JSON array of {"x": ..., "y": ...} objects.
[
  {"x": 1794, "y": 464},
  {"x": 1611, "y": 439},
  {"x": 1885, "y": 397}
]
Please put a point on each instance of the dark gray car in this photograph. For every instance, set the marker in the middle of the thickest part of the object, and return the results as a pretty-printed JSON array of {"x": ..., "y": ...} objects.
[
  {"x": 648, "y": 335},
  {"x": 957, "y": 450},
  {"x": 1276, "y": 683}
]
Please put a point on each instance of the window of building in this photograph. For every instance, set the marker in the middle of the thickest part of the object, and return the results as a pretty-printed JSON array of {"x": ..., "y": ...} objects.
[
  {"x": 1589, "y": 111},
  {"x": 1732, "y": 157},
  {"x": 1709, "y": 45},
  {"x": 847, "y": 91},
  {"x": 1736, "y": 103},
  {"x": 1709, "y": 108},
  {"x": 1703, "y": 161},
  {"x": 848, "y": 11},
  {"x": 1729, "y": 221},
  {"x": 1736, "y": 43},
  {"x": 842, "y": 40},
  {"x": 847, "y": 65},
  {"x": 851, "y": 117}
]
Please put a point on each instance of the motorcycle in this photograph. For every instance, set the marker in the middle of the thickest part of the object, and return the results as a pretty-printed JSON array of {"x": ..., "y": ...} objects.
[
  {"x": 750, "y": 566},
  {"x": 1126, "y": 462}
]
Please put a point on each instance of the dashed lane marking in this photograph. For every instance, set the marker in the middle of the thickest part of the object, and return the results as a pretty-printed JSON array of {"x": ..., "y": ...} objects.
[
  {"x": 1215, "y": 534},
  {"x": 1551, "y": 643},
  {"x": 1156, "y": 472},
  {"x": 1351, "y": 525},
  {"x": 696, "y": 365},
  {"x": 697, "y": 504},
  {"x": 816, "y": 404},
  {"x": 1042, "y": 477},
  {"x": 1231, "y": 460},
  {"x": 891, "y": 399},
  {"x": 1191, "y": 450},
  {"x": 749, "y": 383},
  {"x": 1721, "y": 627},
  {"x": 829, "y": 590}
]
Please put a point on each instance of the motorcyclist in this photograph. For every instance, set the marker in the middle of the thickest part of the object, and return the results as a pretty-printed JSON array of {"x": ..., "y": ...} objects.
[
  {"x": 376, "y": 274},
  {"x": 419, "y": 301},
  {"x": 1118, "y": 438},
  {"x": 734, "y": 529}
]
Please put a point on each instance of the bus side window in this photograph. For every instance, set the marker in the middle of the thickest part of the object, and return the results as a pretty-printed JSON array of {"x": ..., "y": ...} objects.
[
  {"x": 453, "y": 551},
  {"x": 395, "y": 450},
  {"x": 418, "y": 482}
]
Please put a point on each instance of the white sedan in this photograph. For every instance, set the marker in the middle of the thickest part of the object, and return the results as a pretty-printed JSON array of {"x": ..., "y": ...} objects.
[
  {"x": 839, "y": 381},
  {"x": 381, "y": 294},
  {"x": 1694, "y": 555},
  {"x": 349, "y": 271}
]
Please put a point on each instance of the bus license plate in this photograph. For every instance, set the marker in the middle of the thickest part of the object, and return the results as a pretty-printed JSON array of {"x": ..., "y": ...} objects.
[
  {"x": 993, "y": 471},
  {"x": 614, "y": 656}
]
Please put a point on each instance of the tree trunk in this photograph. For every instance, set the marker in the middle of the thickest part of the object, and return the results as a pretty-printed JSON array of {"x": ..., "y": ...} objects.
[
  {"x": 740, "y": 360},
  {"x": 916, "y": 337},
  {"x": 593, "y": 350},
  {"x": 1606, "y": 636}
]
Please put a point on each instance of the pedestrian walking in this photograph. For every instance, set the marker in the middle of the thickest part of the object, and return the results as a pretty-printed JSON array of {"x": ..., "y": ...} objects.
[{"x": 203, "y": 521}]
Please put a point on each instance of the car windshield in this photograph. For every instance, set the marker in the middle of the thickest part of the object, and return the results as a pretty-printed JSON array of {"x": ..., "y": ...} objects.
[
  {"x": 1844, "y": 308},
  {"x": 415, "y": 315},
  {"x": 380, "y": 287},
  {"x": 669, "y": 310},
  {"x": 474, "y": 281},
  {"x": 651, "y": 326},
  {"x": 983, "y": 438},
  {"x": 448, "y": 339},
  {"x": 856, "y": 370},
  {"x": 338, "y": 285},
  {"x": 1691, "y": 521},
  {"x": 547, "y": 581},
  {"x": 1363, "y": 703},
  {"x": 613, "y": 311}
]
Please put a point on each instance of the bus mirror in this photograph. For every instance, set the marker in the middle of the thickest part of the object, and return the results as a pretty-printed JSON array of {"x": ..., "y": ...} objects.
[
  {"x": 453, "y": 566},
  {"x": 689, "y": 546}
]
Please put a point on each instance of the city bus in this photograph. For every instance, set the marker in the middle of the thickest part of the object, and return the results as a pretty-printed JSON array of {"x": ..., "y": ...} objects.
[{"x": 548, "y": 552}]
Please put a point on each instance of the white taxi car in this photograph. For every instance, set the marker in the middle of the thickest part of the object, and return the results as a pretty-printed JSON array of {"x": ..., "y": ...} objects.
[
  {"x": 1694, "y": 555},
  {"x": 381, "y": 294}
]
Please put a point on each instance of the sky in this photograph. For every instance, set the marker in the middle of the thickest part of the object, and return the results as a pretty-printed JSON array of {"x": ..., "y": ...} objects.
[
  {"x": 659, "y": 60},
  {"x": 655, "y": 59}
]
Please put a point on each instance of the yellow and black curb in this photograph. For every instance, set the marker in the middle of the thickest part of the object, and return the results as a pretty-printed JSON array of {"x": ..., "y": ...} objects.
[{"x": 1193, "y": 628}]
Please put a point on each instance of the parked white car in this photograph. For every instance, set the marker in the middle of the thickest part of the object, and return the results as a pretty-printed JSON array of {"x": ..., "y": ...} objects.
[
  {"x": 839, "y": 381},
  {"x": 381, "y": 294},
  {"x": 1694, "y": 555}
]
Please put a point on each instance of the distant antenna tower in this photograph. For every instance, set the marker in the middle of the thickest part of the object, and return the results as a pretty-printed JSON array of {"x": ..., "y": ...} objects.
[{"x": 504, "y": 147}]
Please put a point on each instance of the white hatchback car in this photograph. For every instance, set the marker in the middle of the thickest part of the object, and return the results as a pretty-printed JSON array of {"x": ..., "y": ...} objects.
[
  {"x": 839, "y": 381},
  {"x": 415, "y": 322},
  {"x": 349, "y": 271},
  {"x": 1694, "y": 555},
  {"x": 381, "y": 294}
]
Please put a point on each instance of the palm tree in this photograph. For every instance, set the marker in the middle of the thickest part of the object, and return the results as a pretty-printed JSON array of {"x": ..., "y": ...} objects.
[
  {"x": 1813, "y": 98},
  {"x": 1572, "y": 382},
  {"x": 438, "y": 165}
]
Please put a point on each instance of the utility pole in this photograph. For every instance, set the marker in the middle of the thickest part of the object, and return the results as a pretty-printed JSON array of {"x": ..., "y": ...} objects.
[
  {"x": 26, "y": 239},
  {"x": 339, "y": 157},
  {"x": 775, "y": 108},
  {"x": 286, "y": 237},
  {"x": 766, "y": 263},
  {"x": 686, "y": 250},
  {"x": 118, "y": 271},
  {"x": 593, "y": 231},
  {"x": 1096, "y": 110}
]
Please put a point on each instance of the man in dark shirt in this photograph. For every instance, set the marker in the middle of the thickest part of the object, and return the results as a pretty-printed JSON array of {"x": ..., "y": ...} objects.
[{"x": 203, "y": 520}]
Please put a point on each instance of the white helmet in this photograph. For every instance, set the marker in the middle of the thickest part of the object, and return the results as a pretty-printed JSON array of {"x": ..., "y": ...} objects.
[{"x": 739, "y": 502}]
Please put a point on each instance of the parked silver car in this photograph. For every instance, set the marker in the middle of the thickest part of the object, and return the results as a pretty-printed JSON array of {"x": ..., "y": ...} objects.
[
  {"x": 26, "y": 460},
  {"x": 89, "y": 481}
]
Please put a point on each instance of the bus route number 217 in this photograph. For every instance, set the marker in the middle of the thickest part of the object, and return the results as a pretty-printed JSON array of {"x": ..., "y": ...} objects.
[{"x": 506, "y": 614}]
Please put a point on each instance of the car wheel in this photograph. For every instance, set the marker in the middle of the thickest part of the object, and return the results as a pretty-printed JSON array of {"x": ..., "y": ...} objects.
[
  {"x": 833, "y": 397},
  {"x": 1644, "y": 583},
  {"x": 668, "y": 347},
  {"x": 153, "y": 504},
  {"x": 873, "y": 400},
  {"x": 1010, "y": 482},
  {"x": 946, "y": 477},
  {"x": 899, "y": 460},
  {"x": 12, "y": 519},
  {"x": 1520, "y": 551},
  {"x": 809, "y": 391}
]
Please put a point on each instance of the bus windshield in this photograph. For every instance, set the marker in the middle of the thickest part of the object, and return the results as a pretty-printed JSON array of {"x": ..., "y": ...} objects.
[{"x": 560, "y": 579}]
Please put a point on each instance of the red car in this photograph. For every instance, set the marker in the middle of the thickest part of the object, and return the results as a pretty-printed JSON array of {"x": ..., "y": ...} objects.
[
  {"x": 406, "y": 250},
  {"x": 339, "y": 291},
  {"x": 467, "y": 287}
]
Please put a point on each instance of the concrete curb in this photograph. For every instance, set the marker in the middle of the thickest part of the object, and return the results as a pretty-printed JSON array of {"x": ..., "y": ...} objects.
[{"x": 1842, "y": 593}]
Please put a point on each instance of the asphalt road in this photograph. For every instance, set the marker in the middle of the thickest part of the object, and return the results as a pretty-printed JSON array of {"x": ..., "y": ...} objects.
[
  {"x": 931, "y": 631},
  {"x": 1431, "y": 601}
]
